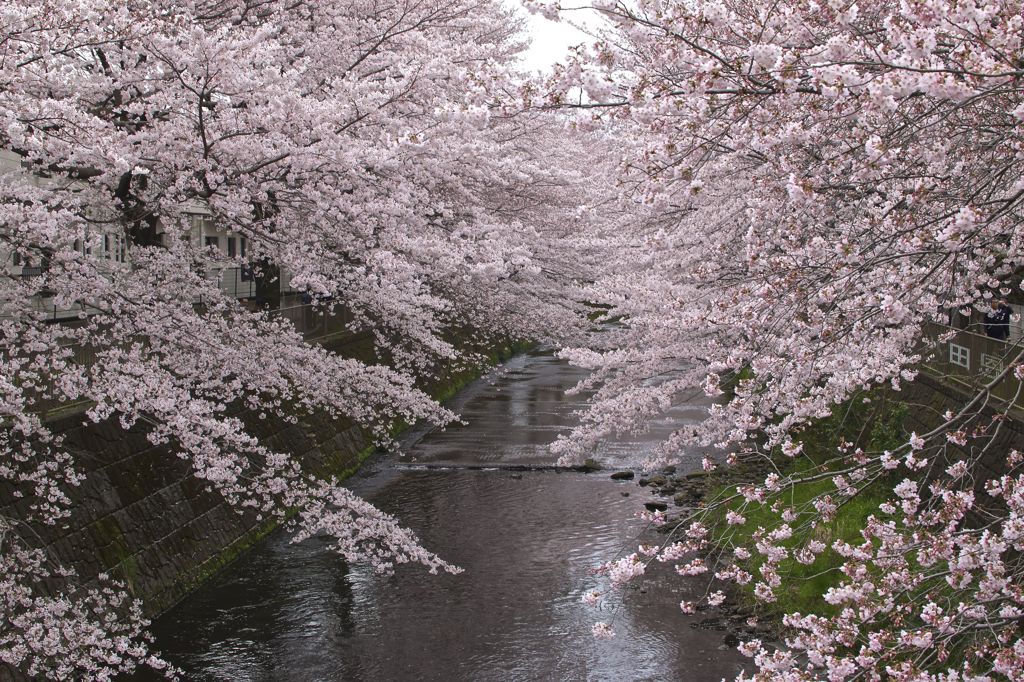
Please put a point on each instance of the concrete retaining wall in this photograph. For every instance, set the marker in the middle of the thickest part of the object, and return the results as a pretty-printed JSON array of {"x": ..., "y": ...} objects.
[
  {"x": 928, "y": 399},
  {"x": 141, "y": 516}
]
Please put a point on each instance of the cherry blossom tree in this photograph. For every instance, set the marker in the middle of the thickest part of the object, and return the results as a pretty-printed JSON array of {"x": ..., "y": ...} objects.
[
  {"x": 358, "y": 147},
  {"x": 813, "y": 182}
]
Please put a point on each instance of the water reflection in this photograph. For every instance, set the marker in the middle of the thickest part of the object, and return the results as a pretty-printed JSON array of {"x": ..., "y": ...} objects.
[{"x": 527, "y": 542}]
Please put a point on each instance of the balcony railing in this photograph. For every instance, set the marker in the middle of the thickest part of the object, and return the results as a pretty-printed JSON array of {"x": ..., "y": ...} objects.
[
  {"x": 970, "y": 361},
  {"x": 314, "y": 322},
  {"x": 236, "y": 282}
]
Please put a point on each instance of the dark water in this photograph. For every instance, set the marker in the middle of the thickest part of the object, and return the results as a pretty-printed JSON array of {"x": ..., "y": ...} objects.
[{"x": 527, "y": 542}]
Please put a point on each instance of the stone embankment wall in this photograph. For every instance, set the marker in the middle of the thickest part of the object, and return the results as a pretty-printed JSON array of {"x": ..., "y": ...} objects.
[
  {"x": 141, "y": 517},
  {"x": 928, "y": 398}
]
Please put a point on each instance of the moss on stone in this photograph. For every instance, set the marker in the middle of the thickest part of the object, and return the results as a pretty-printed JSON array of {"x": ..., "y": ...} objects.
[
  {"x": 194, "y": 578},
  {"x": 113, "y": 551}
]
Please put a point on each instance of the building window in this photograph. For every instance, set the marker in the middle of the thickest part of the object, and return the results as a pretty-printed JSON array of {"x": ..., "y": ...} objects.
[
  {"x": 242, "y": 244},
  {"x": 960, "y": 355},
  {"x": 214, "y": 242},
  {"x": 991, "y": 365},
  {"x": 115, "y": 247},
  {"x": 231, "y": 247},
  {"x": 201, "y": 223}
]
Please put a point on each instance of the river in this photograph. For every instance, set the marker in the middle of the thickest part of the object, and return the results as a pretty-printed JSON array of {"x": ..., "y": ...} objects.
[{"x": 527, "y": 541}]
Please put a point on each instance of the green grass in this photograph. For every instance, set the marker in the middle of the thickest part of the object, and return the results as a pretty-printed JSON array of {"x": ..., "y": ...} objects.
[
  {"x": 803, "y": 586},
  {"x": 874, "y": 424}
]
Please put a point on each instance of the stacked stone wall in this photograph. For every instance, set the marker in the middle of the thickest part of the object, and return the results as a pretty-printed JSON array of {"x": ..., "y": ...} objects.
[
  {"x": 142, "y": 517},
  {"x": 928, "y": 399}
]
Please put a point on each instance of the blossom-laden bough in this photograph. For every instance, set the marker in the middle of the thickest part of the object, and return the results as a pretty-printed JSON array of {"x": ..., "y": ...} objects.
[
  {"x": 812, "y": 183},
  {"x": 359, "y": 147}
]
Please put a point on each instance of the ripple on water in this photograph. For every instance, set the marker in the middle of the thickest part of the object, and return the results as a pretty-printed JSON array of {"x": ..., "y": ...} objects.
[{"x": 528, "y": 545}]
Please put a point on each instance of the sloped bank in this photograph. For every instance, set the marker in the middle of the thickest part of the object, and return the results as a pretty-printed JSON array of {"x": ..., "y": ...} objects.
[
  {"x": 880, "y": 420},
  {"x": 141, "y": 516},
  {"x": 877, "y": 423}
]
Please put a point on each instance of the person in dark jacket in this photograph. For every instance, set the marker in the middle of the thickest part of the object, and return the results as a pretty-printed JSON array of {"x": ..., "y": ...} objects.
[{"x": 997, "y": 320}]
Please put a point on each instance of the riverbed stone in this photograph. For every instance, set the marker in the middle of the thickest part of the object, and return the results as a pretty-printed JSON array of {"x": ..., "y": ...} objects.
[
  {"x": 623, "y": 476},
  {"x": 655, "y": 506}
]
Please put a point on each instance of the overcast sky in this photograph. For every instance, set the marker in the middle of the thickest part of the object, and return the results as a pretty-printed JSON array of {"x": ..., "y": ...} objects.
[{"x": 551, "y": 39}]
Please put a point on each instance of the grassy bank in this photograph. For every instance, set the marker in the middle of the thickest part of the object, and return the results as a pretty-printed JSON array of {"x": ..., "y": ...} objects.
[{"x": 871, "y": 421}]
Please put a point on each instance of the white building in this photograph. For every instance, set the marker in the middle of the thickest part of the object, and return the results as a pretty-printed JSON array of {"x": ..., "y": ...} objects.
[{"x": 113, "y": 249}]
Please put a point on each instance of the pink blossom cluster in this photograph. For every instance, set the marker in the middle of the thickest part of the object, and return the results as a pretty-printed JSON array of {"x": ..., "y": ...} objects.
[
  {"x": 367, "y": 153},
  {"x": 811, "y": 185}
]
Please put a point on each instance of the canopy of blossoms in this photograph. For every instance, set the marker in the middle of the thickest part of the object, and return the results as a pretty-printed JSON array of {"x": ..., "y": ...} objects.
[
  {"x": 810, "y": 183},
  {"x": 352, "y": 145}
]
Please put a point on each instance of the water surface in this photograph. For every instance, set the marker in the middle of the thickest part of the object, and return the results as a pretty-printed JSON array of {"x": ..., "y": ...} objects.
[{"x": 527, "y": 541}]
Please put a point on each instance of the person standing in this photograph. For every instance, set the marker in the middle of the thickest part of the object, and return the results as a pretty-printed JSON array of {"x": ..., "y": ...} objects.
[{"x": 997, "y": 320}]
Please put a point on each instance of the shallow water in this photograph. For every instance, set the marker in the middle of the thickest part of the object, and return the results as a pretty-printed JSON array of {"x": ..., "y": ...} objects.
[{"x": 527, "y": 541}]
